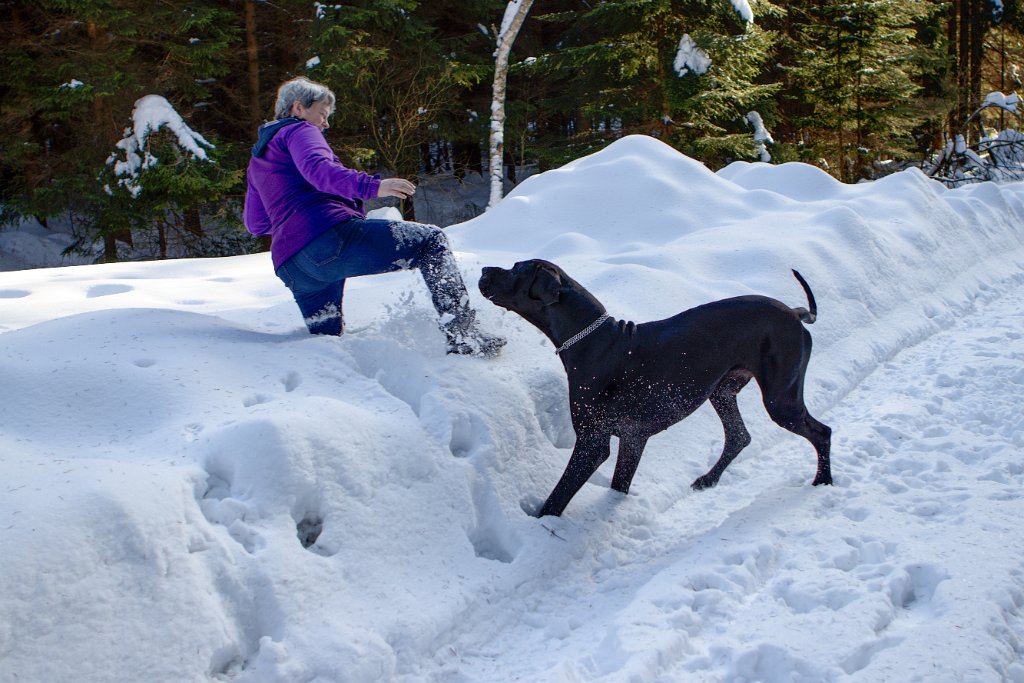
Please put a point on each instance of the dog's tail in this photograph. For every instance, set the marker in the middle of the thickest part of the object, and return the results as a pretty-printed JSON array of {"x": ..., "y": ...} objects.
[{"x": 810, "y": 314}]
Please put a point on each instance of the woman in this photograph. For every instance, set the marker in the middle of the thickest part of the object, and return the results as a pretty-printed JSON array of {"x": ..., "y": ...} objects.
[{"x": 312, "y": 207}]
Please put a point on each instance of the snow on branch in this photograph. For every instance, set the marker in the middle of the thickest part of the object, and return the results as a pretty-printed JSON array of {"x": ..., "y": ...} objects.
[
  {"x": 689, "y": 58},
  {"x": 998, "y": 157},
  {"x": 321, "y": 9},
  {"x": 997, "y": 9},
  {"x": 742, "y": 7},
  {"x": 762, "y": 137},
  {"x": 151, "y": 113},
  {"x": 1010, "y": 103}
]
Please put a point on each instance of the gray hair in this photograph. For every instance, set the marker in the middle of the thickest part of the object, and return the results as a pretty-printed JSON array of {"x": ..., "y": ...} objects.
[{"x": 301, "y": 90}]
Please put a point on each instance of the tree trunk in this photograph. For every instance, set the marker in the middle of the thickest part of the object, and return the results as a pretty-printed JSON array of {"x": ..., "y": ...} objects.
[
  {"x": 193, "y": 221},
  {"x": 497, "y": 141},
  {"x": 161, "y": 233},
  {"x": 408, "y": 209},
  {"x": 1002, "y": 74},
  {"x": 978, "y": 26},
  {"x": 952, "y": 51},
  {"x": 964, "y": 64},
  {"x": 253, "y": 65},
  {"x": 665, "y": 77},
  {"x": 109, "y": 249},
  {"x": 104, "y": 127}
]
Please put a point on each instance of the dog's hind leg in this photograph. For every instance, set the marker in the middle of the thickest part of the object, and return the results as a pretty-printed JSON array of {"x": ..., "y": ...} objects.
[
  {"x": 590, "y": 451},
  {"x": 630, "y": 450},
  {"x": 723, "y": 398},
  {"x": 789, "y": 412},
  {"x": 821, "y": 437}
]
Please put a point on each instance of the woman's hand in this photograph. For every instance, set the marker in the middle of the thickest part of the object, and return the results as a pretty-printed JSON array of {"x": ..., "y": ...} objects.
[{"x": 396, "y": 187}]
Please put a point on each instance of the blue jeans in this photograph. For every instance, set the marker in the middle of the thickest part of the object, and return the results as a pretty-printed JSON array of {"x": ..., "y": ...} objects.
[{"x": 316, "y": 274}]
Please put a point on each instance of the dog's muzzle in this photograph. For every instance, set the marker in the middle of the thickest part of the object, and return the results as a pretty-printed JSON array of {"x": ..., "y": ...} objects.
[{"x": 490, "y": 281}]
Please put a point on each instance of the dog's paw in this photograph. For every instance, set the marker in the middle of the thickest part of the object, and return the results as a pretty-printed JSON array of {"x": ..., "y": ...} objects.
[
  {"x": 822, "y": 479},
  {"x": 703, "y": 482}
]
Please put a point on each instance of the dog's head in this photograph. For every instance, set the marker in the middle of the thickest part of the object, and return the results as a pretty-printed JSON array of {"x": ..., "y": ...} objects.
[
  {"x": 526, "y": 288},
  {"x": 544, "y": 295}
]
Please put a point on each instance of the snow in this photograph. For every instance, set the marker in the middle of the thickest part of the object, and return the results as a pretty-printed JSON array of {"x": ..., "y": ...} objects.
[
  {"x": 29, "y": 244},
  {"x": 321, "y": 9},
  {"x": 742, "y": 8},
  {"x": 511, "y": 9},
  {"x": 762, "y": 138},
  {"x": 690, "y": 58},
  {"x": 172, "y": 435},
  {"x": 1008, "y": 102}
]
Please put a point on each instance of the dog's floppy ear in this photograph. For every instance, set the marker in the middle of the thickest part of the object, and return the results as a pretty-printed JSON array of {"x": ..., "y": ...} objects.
[{"x": 546, "y": 286}]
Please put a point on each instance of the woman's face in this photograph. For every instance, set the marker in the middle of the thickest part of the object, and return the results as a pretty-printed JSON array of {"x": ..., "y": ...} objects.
[{"x": 317, "y": 113}]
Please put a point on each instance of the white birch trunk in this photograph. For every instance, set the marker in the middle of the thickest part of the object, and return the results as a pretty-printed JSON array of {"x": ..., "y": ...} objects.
[{"x": 515, "y": 15}]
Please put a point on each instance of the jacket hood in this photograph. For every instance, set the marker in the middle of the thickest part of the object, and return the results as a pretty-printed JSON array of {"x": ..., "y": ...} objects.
[{"x": 268, "y": 131}]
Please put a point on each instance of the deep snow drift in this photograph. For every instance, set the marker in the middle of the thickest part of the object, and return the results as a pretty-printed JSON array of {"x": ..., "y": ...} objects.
[{"x": 171, "y": 441}]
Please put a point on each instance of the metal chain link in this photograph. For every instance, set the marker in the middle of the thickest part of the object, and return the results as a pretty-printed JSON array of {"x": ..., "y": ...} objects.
[{"x": 583, "y": 333}]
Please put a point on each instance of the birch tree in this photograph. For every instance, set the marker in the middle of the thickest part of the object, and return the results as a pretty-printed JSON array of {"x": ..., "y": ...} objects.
[{"x": 515, "y": 15}]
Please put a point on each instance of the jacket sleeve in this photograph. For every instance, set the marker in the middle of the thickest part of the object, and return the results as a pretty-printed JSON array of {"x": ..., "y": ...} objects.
[
  {"x": 255, "y": 214},
  {"x": 323, "y": 170}
]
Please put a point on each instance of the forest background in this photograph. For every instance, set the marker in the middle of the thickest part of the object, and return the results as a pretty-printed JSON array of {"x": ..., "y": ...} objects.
[{"x": 856, "y": 87}]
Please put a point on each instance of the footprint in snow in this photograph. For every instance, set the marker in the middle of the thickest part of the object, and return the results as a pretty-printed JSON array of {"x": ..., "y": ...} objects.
[
  {"x": 861, "y": 553},
  {"x": 309, "y": 525},
  {"x": 292, "y": 382},
  {"x": 256, "y": 399},
  {"x": 192, "y": 431},
  {"x": 220, "y": 507},
  {"x": 308, "y": 529},
  {"x": 491, "y": 535},
  {"x": 106, "y": 290}
]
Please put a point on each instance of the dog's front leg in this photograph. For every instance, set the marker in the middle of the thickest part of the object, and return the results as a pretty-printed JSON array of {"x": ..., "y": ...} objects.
[
  {"x": 590, "y": 451},
  {"x": 630, "y": 450}
]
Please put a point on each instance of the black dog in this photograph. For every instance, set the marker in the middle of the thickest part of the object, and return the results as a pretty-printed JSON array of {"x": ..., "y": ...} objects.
[{"x": 633, "y": 381}]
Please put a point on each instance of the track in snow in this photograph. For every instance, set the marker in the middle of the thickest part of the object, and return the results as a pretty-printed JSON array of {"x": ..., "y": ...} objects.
[{"x": 909, "y": 565}]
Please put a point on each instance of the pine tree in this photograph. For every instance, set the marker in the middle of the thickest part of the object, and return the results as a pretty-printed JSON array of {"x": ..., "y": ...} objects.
[
  {"x": 615, "y": 73},
  {"x": 71, "y": 73},
  {"x": 163, "y": 173},
  {"x": 62, "y": 75},
  {"x": 859, "y": 67}
]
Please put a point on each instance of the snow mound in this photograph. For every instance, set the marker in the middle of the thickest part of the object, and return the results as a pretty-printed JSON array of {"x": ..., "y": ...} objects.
[{"x": 179, "y": 456}]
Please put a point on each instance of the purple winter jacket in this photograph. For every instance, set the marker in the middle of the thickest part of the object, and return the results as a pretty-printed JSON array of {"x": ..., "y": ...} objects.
[{"x": 297, "y": 187}]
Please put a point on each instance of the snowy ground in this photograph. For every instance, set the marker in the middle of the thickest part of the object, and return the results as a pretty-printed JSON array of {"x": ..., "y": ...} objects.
[
  {"x": 31, "y": 245},
  {"x": 170, "y": 435}
]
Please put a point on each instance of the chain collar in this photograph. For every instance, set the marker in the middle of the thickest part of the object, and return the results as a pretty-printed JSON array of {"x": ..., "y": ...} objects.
[{"x": 582, "y": 333}]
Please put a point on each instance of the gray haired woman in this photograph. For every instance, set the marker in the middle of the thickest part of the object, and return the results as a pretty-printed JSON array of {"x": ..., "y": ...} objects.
[{"x": 311, "y": 205}]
